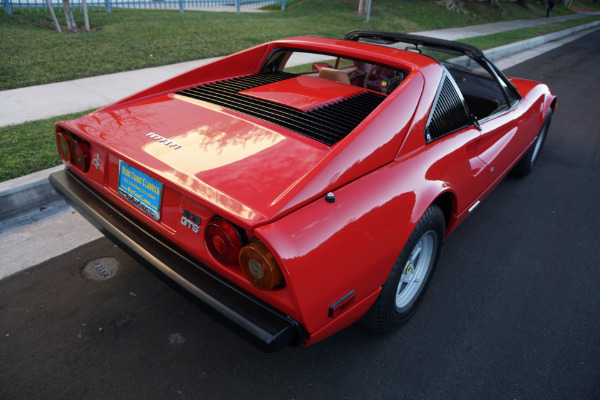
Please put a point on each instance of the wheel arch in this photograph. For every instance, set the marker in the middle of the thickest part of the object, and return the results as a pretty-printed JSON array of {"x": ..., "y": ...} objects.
[
  {"x": 554, "y": 104},
  {"x": 447, "y": 203},
  {"x": 549, "y": 104}
]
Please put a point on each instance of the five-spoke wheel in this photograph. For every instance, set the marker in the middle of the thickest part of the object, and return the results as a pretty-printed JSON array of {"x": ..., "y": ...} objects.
[{"x": 402, "y": 291}]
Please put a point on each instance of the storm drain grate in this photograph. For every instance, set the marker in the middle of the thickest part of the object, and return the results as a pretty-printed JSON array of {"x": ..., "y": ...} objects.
[{"x": 100, "y": 269}]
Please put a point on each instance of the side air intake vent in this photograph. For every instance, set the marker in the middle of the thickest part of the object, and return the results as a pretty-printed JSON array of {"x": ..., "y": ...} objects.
[
  {"x": 449, "y": 113},
  {"x": 327, "y": 124}
]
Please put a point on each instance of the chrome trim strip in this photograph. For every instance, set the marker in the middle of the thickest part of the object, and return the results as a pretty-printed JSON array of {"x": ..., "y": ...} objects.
[{"x": 474, "y": 206}]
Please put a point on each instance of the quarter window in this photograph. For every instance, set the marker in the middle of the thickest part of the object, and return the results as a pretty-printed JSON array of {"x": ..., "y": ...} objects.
[{"x": 448, "y": 113}]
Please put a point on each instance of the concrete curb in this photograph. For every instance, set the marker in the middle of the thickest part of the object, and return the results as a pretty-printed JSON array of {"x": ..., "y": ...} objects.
[{"x": 22, "y": 195}]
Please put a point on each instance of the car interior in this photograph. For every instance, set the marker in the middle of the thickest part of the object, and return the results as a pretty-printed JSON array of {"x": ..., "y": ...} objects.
[
  {"x": 379, "y": 78},
  {"x": 482, "y": 91}
]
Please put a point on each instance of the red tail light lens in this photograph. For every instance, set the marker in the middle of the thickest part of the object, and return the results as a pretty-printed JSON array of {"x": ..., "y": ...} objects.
[
  {"x": 80, "y": 153},
  {"x": 63, "y": 142},
  {"x": 73, "y": 149},
  {"x": 223, "y": 241},
  {"x": 260, "y": 267}
]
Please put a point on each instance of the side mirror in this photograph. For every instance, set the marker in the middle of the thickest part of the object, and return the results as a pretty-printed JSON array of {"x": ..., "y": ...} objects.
[{"x": 475, "y": 122}]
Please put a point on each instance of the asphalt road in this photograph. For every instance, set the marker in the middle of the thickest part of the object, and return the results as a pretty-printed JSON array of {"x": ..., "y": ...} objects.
[{"x": 512, "y": 312}]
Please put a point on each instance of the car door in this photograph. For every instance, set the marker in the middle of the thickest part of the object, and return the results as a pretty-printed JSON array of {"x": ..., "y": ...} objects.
[{"x": 491, "y": 102}]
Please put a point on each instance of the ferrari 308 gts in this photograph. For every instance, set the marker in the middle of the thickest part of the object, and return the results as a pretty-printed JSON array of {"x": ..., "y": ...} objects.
[{"x": 306, "y": 183}]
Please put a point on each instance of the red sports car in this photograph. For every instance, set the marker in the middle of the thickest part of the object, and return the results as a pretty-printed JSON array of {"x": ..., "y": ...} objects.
[{"x": 306, "y": 183}]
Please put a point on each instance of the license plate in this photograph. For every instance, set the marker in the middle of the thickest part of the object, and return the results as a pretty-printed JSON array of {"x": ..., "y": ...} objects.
[{"x": 139, "y": 189}]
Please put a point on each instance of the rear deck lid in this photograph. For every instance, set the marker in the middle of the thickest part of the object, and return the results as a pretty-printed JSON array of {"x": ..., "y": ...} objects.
[{"x": 246, "y": 147}]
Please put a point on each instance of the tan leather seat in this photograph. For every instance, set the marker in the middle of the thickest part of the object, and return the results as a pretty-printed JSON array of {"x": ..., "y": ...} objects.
[{"x": 334, "y": 75}]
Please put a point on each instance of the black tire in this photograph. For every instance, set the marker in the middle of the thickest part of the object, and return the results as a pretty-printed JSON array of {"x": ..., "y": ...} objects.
[
  {"x": 526, "y": 164},
  {"x": 405, "y": 286}
]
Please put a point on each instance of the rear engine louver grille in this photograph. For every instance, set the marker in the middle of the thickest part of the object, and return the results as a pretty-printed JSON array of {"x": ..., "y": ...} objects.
[
  {"x": 449, "y": 113},
  {"x": 327, "y": 124}
]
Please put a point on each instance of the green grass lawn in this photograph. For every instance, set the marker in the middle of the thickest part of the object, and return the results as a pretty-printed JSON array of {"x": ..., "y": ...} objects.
[
  {"x": 585, "y": 5},
  {"x": 29, "y": 147},
  {"x": 32, "y": 53}
]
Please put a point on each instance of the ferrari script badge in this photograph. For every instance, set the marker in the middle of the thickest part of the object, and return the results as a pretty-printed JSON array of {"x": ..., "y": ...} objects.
[{"x": 163, "y": 140}]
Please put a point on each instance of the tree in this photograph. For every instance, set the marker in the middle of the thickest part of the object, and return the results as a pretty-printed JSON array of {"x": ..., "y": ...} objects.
[
  {"x": 71, "y": 25},
  {"x": 496, "y": 4},
  {"x": 51, "y": 10},
  {"x": 86, "y": 21},
  {"x": 453, "y": 5},
  {"x": 362, "y": 7}
]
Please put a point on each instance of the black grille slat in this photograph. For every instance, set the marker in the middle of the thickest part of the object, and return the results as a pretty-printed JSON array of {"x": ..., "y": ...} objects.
[
  {"x": 290, "y": 118},
  {"x": 241, "y": 103},
  {"x": 328, "y": 123},
  {"x": 263, "y": 109},
  {"x": 449, "y": 113}
]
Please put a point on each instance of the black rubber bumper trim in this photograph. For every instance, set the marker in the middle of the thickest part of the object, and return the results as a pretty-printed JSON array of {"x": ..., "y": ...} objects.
[{"x": 256, "y": 321}]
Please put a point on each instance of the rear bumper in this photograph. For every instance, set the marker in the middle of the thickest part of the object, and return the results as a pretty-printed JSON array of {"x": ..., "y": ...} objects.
[{"x": 256, "y": 321}]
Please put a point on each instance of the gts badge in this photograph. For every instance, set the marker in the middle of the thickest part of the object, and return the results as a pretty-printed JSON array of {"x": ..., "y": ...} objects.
[{"x": 190, "y": 220}]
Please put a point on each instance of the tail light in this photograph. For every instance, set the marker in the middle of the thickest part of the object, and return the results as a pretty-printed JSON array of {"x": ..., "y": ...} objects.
[
  {"x": 223, "y": 240},
  {"x": 80, "y": 154},
  {"x": 63, "y": 143},
  {"x": 73, "y": 150},
  {"x": 259, "y": 266}
]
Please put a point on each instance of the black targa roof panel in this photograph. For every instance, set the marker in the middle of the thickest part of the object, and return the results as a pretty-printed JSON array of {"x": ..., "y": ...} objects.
[{"x": 387, "y": 38}]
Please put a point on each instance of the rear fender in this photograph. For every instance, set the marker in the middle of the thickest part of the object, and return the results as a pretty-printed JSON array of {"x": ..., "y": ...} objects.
[
  {"x": 330, "y": 249},
  {"x": 241, "y": 63}
]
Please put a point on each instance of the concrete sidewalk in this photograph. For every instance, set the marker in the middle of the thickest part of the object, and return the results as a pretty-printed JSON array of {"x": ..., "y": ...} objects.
[
  {"x": 46, "y": 101},
  {"x": 496, "y": 27},
  {"x": 29, "y": 210}
]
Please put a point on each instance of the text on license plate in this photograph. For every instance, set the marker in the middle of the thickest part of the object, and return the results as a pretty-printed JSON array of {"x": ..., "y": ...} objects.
[{"x": 140, "y": 189}]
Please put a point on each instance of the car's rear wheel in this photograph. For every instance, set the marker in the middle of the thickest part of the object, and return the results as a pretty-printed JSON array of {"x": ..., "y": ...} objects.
[
  {"x": 404, "y": 288},
  {"x": 526, "y": 164}
]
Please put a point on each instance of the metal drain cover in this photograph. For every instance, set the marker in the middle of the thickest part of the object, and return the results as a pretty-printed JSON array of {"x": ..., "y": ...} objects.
[{"x": 100, "y": 269}]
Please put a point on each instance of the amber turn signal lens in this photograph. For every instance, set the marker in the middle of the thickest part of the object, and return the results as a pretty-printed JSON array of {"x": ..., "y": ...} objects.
[
  {"x": 260, "y": 267},
  {"x": 223, "y": 241},
  {"x": 80, "y": 153},
  {"x": 63, "y": 141}
]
